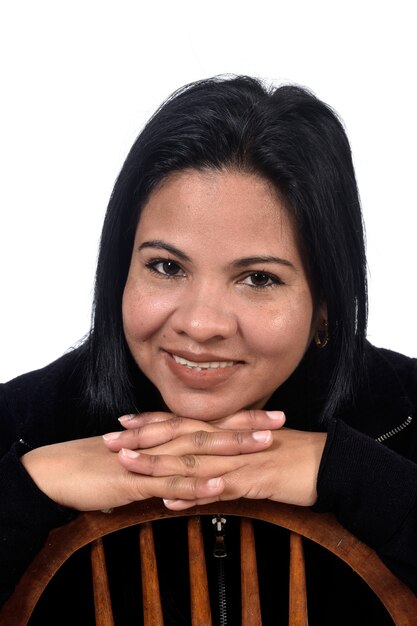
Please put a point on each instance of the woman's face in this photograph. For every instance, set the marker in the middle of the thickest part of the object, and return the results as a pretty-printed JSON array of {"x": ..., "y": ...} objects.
[{"x": 217, "y": 309}]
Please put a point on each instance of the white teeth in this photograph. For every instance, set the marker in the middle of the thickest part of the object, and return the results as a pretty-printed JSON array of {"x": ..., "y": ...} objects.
[{"x": 208, "y": 365}]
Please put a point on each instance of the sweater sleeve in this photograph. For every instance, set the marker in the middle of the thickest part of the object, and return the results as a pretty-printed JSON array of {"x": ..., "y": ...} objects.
[
  {"x": 372, "y": 490},
  {"x": 26, "y": 517},
  {"x": 29, "y": 414}
]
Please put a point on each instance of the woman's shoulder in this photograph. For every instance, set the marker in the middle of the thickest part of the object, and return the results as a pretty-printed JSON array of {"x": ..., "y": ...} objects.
[
  {"x": 386, "y": 400},
  {"x": 388, "y": 365},
  {"x": 41, "y": 400},
  {"x": 61, "y": 367}
]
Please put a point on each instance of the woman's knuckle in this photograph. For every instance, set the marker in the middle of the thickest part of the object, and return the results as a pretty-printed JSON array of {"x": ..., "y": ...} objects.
[
  {"x": 194, "y": 489},
  {"x": 154, "y": 459},
  {"x": 190, "y": 461},
  {"x": 134, "y": 432},
  {"x": 200, "y": 438},
  {"x": 173, "y": 482},
  {"x": 238, "y": 437},
  {"x": 175, "y": 425},
  {"x": 252, "y": 416}
]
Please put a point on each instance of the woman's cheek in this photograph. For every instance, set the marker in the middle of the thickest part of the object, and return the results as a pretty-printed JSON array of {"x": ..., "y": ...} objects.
[
  {"x": 144, "y": 315},
  {"x": 289, "y": 332}
]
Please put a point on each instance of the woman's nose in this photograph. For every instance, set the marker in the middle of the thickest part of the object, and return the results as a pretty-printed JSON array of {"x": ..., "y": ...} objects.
[{"x": 205, "y": 317}]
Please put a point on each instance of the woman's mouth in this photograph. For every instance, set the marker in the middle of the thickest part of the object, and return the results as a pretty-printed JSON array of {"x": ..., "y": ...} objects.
[
  {"x": 201, "y": 374},
  {"x": 203, "y": 365}
]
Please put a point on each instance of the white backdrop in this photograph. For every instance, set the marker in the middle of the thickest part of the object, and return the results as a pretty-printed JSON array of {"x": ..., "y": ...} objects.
[{"x": 80, "y": 78}]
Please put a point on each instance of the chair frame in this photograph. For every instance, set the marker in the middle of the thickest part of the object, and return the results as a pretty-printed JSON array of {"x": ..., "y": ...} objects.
[{"x": 321, "y": 528}]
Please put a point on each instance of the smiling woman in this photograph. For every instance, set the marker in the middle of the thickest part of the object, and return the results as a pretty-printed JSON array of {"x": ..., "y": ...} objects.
[
  {"x": 216, "y": 328},
  {"x": 230, "y": 299}
]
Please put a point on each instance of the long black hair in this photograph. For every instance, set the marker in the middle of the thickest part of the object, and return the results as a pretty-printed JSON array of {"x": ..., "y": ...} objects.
[{"x": 284, "y": 134}]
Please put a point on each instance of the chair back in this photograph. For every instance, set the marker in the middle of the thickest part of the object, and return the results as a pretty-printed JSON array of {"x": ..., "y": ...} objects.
[{"x": 90, "y": 528}]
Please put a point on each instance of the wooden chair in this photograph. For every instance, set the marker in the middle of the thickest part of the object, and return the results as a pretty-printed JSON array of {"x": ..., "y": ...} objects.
[{"x": 88, "y": 528}]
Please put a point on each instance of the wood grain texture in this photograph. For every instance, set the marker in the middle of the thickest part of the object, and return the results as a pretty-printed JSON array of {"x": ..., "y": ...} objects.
[
  {"x": 152, "y": 607},
  {"x": 199, "y": 589},
  {"x": 321, "y": 528},
  {"x": 101, "y": 589},
  {"x": 251, "y": 606},
  {"x": 298, "y": 587}
]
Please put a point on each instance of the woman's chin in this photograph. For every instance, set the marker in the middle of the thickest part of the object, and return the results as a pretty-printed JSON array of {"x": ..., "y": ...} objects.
[
  {"x": 205, "y": 410},
  {"x": 203, "y": 415}
]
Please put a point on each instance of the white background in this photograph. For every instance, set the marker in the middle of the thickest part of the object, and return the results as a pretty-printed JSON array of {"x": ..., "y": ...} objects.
[{"x": 80, "y": 78}]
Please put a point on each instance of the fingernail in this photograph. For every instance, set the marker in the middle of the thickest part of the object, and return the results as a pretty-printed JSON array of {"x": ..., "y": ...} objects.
[
  {"x": 127, "y": 418},
  {"x": 131, "y": 454},
  {"x": 111, "y": 436},
  {"x": 275, "y": 415},
  {"x": 262, "y": 436},
  {"x": 168, "y": 502},
  {"x": 213, "y": 483}
]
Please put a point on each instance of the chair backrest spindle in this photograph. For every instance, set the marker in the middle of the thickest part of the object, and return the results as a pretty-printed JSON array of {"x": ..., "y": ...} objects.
[
  {"x": 199, "y": 589},
  {"x": 251, "y": 607},
  {"x": 298, "y": 588},
  {"x": 101, "y": 589},
  {"x": 152, "y": 607}
]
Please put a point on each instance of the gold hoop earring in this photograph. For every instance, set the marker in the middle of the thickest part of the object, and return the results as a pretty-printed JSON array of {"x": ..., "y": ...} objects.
[{"x": 322, "y": 337}]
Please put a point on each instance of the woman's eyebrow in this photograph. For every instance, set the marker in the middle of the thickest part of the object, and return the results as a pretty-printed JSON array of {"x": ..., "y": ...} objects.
[
  {"x": 162, "y": 245},
  {"x": 244, "y": 262},
  {"x": 251, "y": 260}
]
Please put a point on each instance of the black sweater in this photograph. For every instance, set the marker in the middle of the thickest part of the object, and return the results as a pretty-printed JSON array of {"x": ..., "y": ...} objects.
[{"x": 367, "y": 477}]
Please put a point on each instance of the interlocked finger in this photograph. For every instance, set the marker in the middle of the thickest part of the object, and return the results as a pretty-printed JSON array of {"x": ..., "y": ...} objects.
[
  {"x": 136, "y": 420},
  {"x": 153, "y": 434},
  {"x": 252, "y": 419},
  {"x": 190, "y": 465},
  {"x": 217, "y": 443},
  {"x": 174, "y": 487}
]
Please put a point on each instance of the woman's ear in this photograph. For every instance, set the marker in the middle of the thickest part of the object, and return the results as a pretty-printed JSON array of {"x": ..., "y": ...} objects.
[
  {"x": 321, "y": 336},
  {"x": 321, "y": 314}
]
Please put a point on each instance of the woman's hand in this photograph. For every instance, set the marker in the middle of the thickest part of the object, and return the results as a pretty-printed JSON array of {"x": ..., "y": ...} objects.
[
  {"x": 85, "y": 475},
  {"x": 148, "y": 430},
  {"x": 285, "y": 469}
]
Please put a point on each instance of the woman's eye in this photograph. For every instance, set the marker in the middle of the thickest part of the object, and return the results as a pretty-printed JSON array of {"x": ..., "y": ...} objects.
[
  {"x": 261, "y": 279},
  {"x": 166, "y": 268}
]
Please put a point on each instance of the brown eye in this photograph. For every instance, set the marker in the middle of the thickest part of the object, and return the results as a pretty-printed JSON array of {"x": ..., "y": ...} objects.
[
  {"x": 260, "y": 280},
  {"x": 169, "y": 267},
  {"x": 165, "y": 268}
]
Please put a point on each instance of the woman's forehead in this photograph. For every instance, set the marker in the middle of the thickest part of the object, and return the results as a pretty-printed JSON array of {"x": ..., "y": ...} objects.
[{"x": 223, "y": 203}]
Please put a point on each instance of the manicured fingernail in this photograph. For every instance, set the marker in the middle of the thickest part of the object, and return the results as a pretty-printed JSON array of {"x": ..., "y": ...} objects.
[
  {"x": 127, "y": 418},
  {"x": 275, "y": 415},
  {"x": 213, "y": 483},
  {"x": 262, "y": 435},
  {"x": 168, "y": 502},
  {"x": 111, "y": 436},
  {"x": 131, "y": 454}
]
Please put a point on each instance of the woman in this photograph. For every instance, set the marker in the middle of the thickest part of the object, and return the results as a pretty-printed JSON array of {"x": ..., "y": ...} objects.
[{"x": 230, "y": 298}]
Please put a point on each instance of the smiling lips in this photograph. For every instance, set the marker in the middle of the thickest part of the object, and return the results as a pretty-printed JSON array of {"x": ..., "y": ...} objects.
[
  {"x": 203, "y": 365},
  {"x": 201, "y": 374}
]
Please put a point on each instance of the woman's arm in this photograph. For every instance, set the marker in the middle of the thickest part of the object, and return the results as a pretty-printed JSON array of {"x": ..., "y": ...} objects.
[
  {"x": 26, "y": 517},
  {"x": 372, "y": 490}
]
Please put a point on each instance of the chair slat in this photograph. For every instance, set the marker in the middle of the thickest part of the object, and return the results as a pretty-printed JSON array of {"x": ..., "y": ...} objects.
[
  {"x": 251, "y": 607},
  {"x": 199, "y": 591},
  {"x": 102, "y": 601},
  {"x": 152, "y": 608},
  {"x": 298, "y": 589}
]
